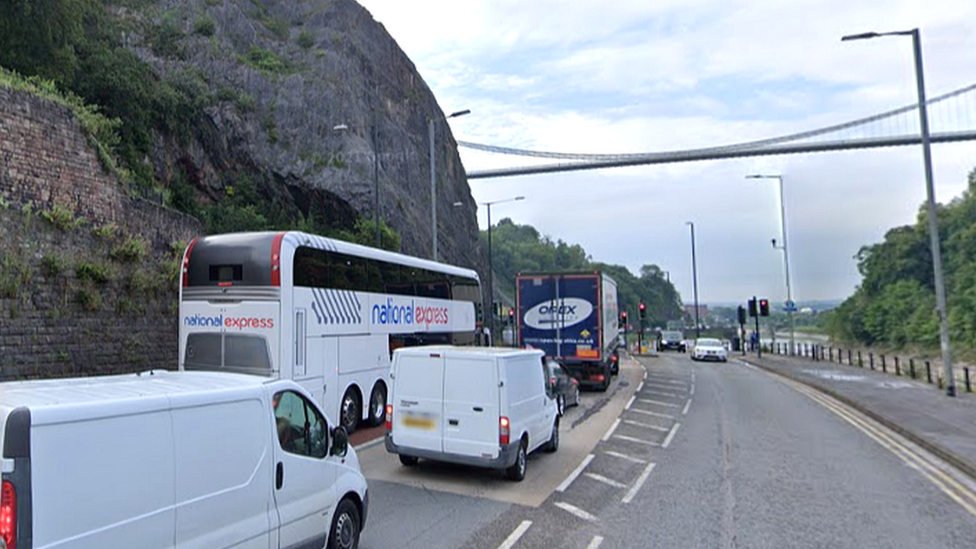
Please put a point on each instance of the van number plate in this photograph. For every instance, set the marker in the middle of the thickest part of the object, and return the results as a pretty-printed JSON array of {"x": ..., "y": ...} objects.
[{"x": 418, "y": 421}]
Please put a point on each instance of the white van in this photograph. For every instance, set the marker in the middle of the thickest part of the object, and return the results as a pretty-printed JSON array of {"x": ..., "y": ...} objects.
[
  {"x": 487, "y": 407},
  {"x": 174, "y": 460}
]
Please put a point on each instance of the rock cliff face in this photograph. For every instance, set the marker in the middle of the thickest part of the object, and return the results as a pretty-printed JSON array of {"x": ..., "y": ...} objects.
[{"x": 285, "y": 74}]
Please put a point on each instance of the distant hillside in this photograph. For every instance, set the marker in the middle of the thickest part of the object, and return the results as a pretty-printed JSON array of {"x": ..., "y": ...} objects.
[
  {"x": 895, "y": 302},
  {"x": 521, "y": 248}
]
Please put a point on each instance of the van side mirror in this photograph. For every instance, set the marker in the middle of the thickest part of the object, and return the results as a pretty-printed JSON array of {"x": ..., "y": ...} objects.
[{"x": 340, "y": 442}]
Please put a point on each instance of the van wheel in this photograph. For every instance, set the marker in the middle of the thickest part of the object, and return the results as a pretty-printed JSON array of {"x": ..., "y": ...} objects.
[
  {"x": 350, "y": 410},
  {"x": 377, "y": 404},
  {"x": 517, "y": 471},
  {"x": 345, "y": 527},
  {"x": 553, "y": 443},
  {"x": 408, "y": 461}
]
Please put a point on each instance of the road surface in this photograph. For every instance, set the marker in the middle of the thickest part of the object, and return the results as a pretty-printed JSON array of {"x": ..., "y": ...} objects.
[{"x": 693, "y": 455}]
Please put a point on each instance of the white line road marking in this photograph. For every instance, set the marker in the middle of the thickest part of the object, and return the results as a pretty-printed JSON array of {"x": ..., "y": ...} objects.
[
  {"x": 649, "y": 413},
  {"x": 610, "y": 431},
  {"x": 645, "y": 374},
  {"x": 637, "y": 440},
  {"x": 370, "y": 444},
  {"x": 658, "y": 402},
  {"x": 662, "y": 386},
  {"x": 662, "y": 393},
  {"x": 671, "y": 435},
  {"x": 513, "y": 538},
  {"x": 624, "y": 456},
  {"x": 595, "y": 544},
  {"x": 692, "y": 393},
  {"x": 646, "y": 425},
  {"x": 629, "y": 402},
  {"x": 576, "y": 511},
  {"x": 640, "y": 482},
  {"x": 687, "y": 405},
  {"x": 576, "y": 472},
  {"x": 605, "y": 480},
  {"x": 641, "y": 386}
]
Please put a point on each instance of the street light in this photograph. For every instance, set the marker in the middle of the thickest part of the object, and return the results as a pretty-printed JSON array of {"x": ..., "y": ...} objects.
[
  {"x": 923, "y": 116},
  {"x": 433, "y": 175},
  {"x": 340, "y": 128},
  {"x": 491, "y": 282},
  {"x": 694, "y": 278},
  {"x": 786, "y": 257}
]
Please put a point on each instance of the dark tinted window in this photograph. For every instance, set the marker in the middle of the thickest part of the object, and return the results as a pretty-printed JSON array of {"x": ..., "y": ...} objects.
[{"x": 228, "y": 352}]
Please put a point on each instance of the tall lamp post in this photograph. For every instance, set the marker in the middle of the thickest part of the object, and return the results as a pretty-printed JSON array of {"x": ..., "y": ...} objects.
[
  {"x": 433, "y": 175},
  {"x": 694, "y": 278},
  {"x": 923, "y": 117},
  {"x": 491, "y": 282},
  {"x": 790, "y": 306}
]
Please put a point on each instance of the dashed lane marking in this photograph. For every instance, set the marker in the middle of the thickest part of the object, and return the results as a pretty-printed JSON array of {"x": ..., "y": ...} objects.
[
  {"x": 576, "y": 472},
  {"x": 657, "y": 402},
  {"x": 692, "y": 392},
  {"x": 650, "y": 413},
  {"x": 605, "y": 480},
  {"x": 629, "y": 496},
  {"x": 662, "y": 386},
  {"x": 516, "y": 534},
  {"x": 606, "y": 436},
  {"x": 629, "y": 402},
  {"x": 575, "y": 511},
  {"x": 641, "y": 386},
  {"x": 687, "y": 405},
  {"x": 662, "y": 393},
  {"x": 670, "y": 436},
  {"x": 637, "y": 440},
  {"x": 595, "y": 542},
  {"x": 646, "y": 425},
  {"x": 625, "y": 457}
]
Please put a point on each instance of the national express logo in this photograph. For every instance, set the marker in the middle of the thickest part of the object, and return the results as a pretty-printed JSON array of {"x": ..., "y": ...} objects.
[
  {"x": 390, "y": 313},
  {"x": 232, "y": 322}
]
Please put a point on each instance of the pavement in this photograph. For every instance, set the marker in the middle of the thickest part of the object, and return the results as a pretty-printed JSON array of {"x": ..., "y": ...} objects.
[{"x": 918, "y": 411}]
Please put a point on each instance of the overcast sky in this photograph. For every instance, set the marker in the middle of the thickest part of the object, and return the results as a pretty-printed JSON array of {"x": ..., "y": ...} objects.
[{"x": 655, "y": 75}]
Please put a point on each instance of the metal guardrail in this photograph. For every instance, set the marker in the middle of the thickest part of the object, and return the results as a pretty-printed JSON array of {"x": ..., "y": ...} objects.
[{"x": 876, "y": 362}]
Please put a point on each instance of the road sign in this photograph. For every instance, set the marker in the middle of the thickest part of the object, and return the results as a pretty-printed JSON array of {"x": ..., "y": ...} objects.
[{"x": 790, "y": 306}]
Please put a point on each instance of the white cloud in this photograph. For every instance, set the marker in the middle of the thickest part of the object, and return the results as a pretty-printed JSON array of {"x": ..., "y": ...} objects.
[{"x": 636, "y": 76}]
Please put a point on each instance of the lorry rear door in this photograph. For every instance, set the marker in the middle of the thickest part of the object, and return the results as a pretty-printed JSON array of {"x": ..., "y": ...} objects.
[
  {"x": 418, "y": 401},
  {"x": 471, "y": 406}
]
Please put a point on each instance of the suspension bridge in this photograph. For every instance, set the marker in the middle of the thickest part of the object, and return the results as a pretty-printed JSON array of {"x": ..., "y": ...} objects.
[{"x": 952, "y": 118}]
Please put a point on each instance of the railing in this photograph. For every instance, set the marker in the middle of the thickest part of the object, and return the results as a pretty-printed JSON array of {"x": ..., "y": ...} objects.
[{"x": 887, "y": 364}]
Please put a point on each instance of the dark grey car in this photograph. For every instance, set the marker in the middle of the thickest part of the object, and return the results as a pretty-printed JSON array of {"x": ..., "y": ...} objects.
[{"x": 566, "y": 386}]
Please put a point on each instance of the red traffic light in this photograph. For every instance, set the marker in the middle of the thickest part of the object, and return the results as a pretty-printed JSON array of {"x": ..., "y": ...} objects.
[
  {"x": 763, "y": 307},
  {"x": 642, "y": 306},
  {"x": 511, "y": 312},
  {"x": 623, "y": 315}
]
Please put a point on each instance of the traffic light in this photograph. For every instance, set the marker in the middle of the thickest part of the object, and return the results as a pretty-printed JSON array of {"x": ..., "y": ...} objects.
[
  {"x": 742, "y": 315},
  {"x": 753, "y": 312},
  {"x": 643, "y": 311},
  {"x": 764, "y": 307},
  {"x": 623, "y": 319},
  {"x": 511, "y": 316}
]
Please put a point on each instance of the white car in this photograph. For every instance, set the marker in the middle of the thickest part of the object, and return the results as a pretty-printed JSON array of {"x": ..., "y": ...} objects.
[{"x": 709, "y": 349}]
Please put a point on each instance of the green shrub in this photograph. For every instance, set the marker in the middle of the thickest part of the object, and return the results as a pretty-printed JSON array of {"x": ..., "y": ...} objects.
[
  {"x": 105, "y": 232},
  {"x": 62, "y": 218},
  {"x": 305, "y": 40},
  {"x": 212, "y": 3},
  {"x": 15, "y": 275},
  {"x": 265, "y": 61},
  {"x": 93, "y": 272},
  {"x": 88, "y": 299},
  {"x": 204, "y": 26},
  {"x": 132, "y": 250},
  {"x": 166, "y": 35},
  {"x": 138, "y": 283},
  {"x": 54, "y": 264}
]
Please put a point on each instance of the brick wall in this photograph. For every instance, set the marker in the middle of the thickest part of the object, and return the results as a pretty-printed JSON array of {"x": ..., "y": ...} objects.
[{"x": 56, "y": 317}]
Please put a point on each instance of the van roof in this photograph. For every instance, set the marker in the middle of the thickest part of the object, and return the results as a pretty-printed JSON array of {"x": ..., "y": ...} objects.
[
  {"x": 60, "y": 392},
  {"x": 467, "y": 350}
]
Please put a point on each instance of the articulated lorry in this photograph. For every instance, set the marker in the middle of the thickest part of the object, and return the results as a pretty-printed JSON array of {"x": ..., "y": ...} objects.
[{"x": 573, "y": 318}]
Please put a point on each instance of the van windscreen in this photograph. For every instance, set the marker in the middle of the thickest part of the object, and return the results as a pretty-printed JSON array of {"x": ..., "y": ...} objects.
[{"x": 240, "y": 353}]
